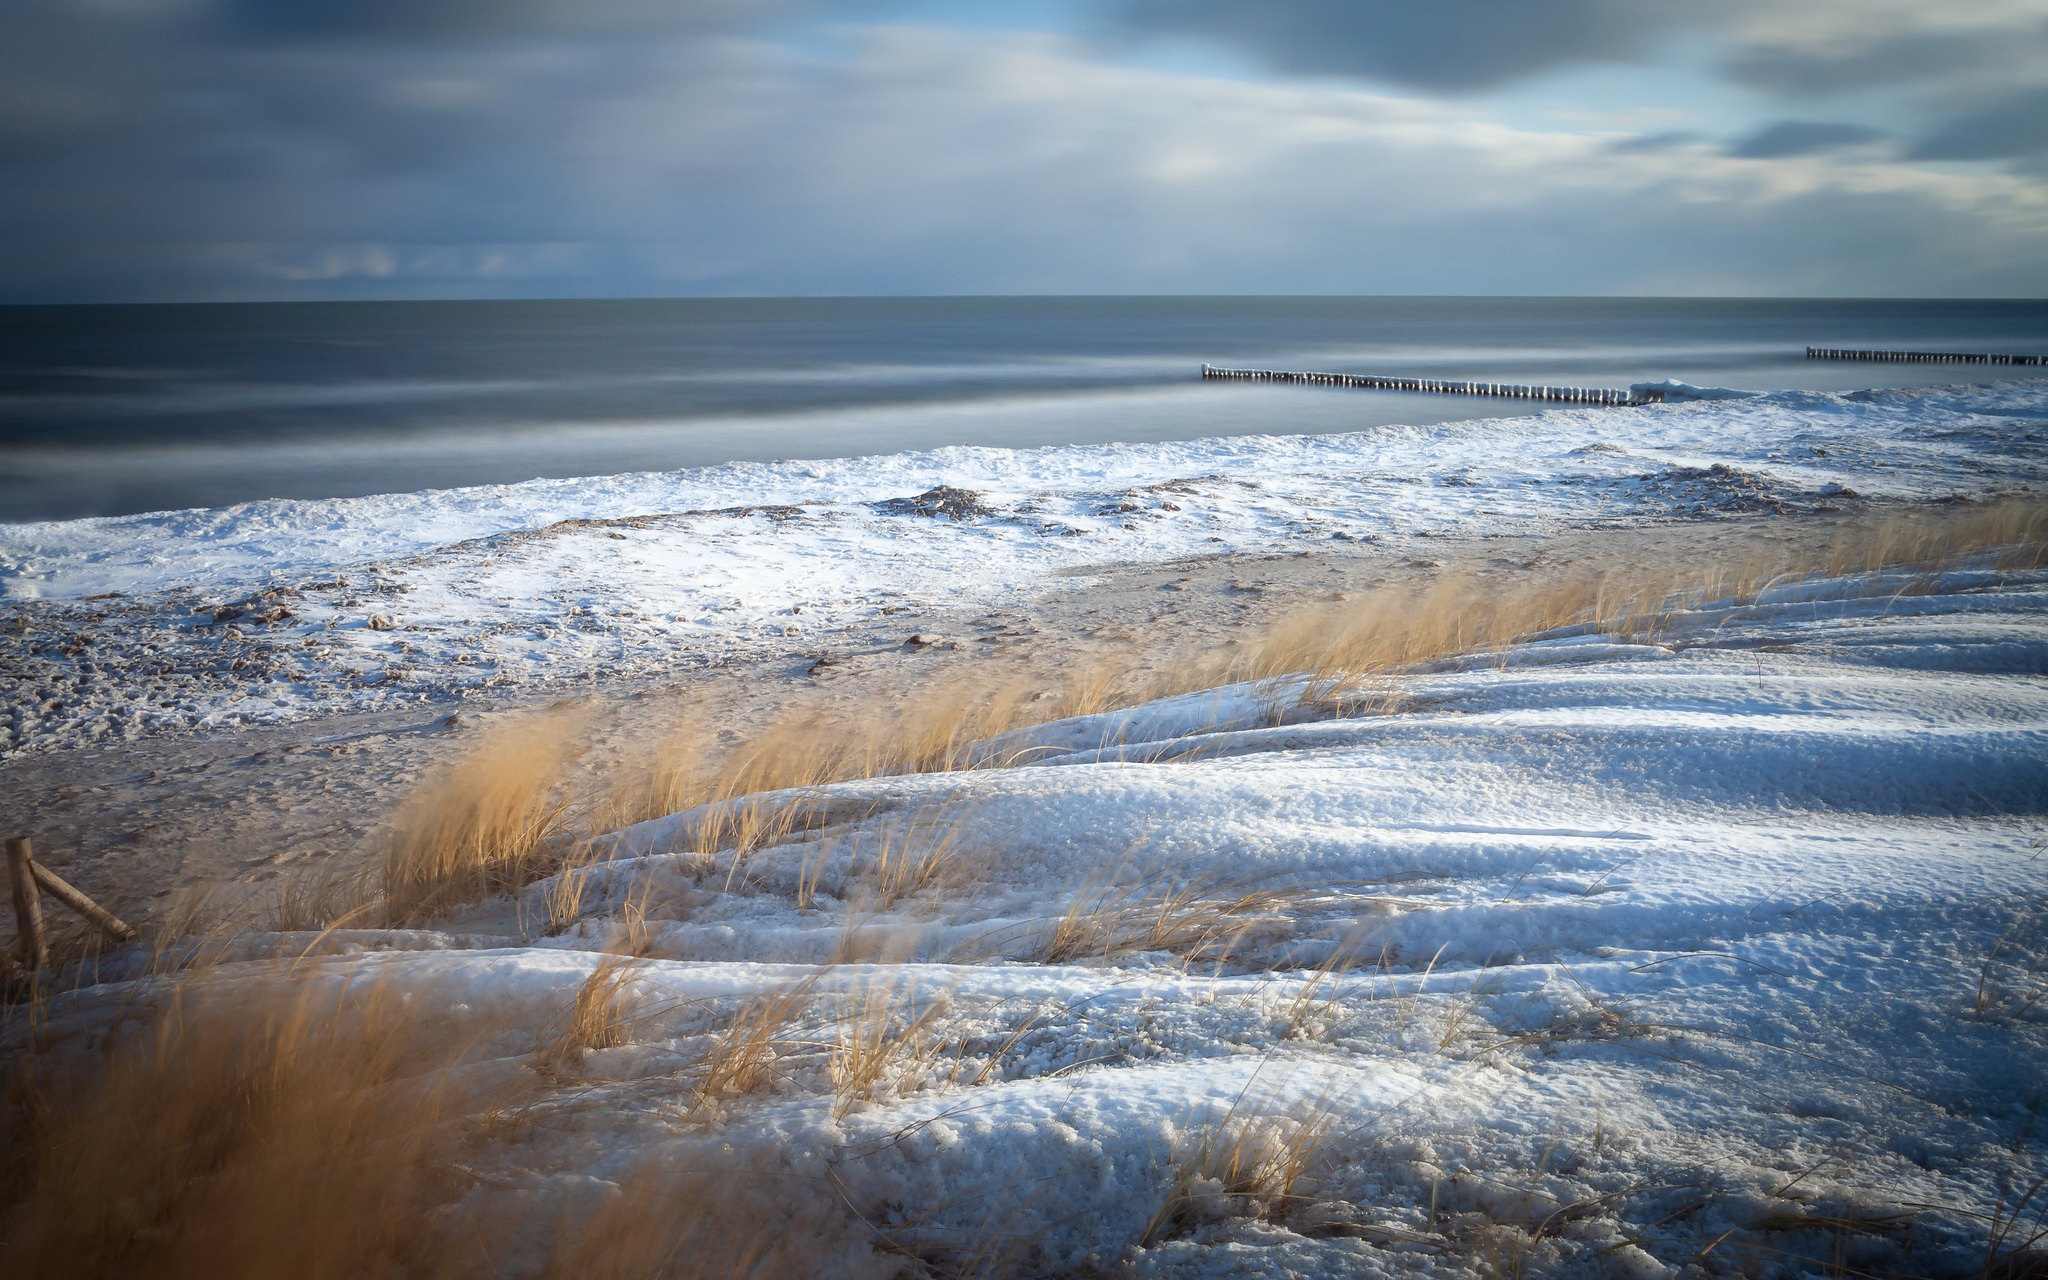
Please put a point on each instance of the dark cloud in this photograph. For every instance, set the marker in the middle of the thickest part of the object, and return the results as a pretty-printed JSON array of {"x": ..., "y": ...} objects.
[
  {"x": 1454, "y": 45},
  {"x": 182, "y": 149},
  {"x": 1801, "y": 138},
  {"x": 446, "y": 20},
  {"x": 1459, "y": 46},
  {"x": 2014, "y": 127},
  {"x": 65, "y": 83},
  {"x": 1906, "y": 58}
]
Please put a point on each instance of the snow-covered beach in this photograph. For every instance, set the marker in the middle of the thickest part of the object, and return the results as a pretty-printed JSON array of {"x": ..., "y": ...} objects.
[
  {"x": 1713, "y": 948},
  {"x": 271, "y": 609}
]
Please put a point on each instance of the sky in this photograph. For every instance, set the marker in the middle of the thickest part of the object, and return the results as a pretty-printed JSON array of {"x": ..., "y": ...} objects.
[{"x": 173, "y": 150}]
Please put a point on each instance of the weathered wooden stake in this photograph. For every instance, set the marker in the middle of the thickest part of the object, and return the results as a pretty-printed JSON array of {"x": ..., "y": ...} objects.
[
  {"x": 30, "y": 943},
  {"x": 102, "y": 919}
]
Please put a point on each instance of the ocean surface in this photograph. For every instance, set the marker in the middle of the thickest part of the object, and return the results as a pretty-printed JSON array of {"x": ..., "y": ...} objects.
[{"x": 118, "y": 410}]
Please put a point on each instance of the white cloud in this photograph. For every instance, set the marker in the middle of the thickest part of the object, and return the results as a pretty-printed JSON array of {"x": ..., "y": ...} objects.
[{"x": 949, "y": 164}]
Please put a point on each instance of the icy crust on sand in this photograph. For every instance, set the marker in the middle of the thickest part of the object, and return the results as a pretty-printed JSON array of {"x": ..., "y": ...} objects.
[
  {"x": 1666, "y": 959},
  {"x": 274, "y": 609}
]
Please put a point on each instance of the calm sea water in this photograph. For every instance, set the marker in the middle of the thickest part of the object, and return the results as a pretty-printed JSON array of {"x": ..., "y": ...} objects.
[{"x": 110, "y": 410}]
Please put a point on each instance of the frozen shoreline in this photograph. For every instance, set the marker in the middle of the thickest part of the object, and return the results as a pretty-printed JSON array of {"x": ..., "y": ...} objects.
[
  {"x": 1932, "y": 441},
  {"x": 284, "y": 609}
]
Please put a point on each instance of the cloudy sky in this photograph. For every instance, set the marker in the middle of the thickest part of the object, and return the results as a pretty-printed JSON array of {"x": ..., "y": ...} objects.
[{"x": 188, "y": 149}]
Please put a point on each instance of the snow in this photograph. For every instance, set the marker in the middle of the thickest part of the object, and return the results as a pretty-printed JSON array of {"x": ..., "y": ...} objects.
[
  {"x": 1731, "y": 929},
  {"x": 1671, "y": 389},
  {"x": 280, "y": 609}
]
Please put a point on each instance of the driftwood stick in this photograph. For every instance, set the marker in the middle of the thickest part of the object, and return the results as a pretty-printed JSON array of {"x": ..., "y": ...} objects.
[
  {"x": 33, "y": 947},
  {"x": 62, "y": 890}
]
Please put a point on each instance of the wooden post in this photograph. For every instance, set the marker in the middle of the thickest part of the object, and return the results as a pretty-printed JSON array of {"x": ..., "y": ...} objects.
[
  {"x": 101, "y": 918},
  {"x": 30, "y": 943}
]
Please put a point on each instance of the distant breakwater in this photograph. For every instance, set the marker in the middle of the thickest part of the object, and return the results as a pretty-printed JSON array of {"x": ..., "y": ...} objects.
[
  {"x": 1918, "y": 357},
  {"x": 1443, "y": 386}
]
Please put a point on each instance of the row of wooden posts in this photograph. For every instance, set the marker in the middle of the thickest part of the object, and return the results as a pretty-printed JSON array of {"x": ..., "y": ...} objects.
[
  {"x": 1516, "y": 391},
  {"x": 1918, "y": 357},
  {"x": 29, "y": 880}
]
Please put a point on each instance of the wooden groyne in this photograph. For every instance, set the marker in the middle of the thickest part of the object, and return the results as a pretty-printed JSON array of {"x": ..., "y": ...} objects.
[
  {"x": 1918, "y": 357},
  {"x": 1445, "y": 386}
]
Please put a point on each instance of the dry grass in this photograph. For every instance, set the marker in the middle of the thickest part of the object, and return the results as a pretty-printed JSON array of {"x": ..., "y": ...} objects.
[
  {"x": 1310, "y": 1011},
  {"x": 900, "y": 859},
  {"x": 660, "y": 782},
  {"x": 1395, "y": 629},
  {"x": 325, "y": 898},
  {"x": 879, "y": 865},
  {"x": 630, "y": 932},
  {"x": 1201, "y": 918},
  {"x": 601, "y": 1016},
  {"x": 281, "y": 1134},
  {"x": 885, "y": 1025},
  {"x": 742, "y": 1057},
  {"x": 252, "y": 1132},
  {"x": 795, "y": 755},
  {"x": 2018, "y": 1225},
  {"x": 1254, "y": 1161},
  {"x": 1399, "y": 629},
  {"x": 566, "y": 891},
  {"x": 941, "y": 726},
  {"x": 484, "y": 825},
  {"x": 2016, "y": 529}
]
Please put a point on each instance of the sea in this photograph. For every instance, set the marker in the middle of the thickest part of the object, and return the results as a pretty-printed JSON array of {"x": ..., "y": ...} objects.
[{"x": 115, "y": 410}]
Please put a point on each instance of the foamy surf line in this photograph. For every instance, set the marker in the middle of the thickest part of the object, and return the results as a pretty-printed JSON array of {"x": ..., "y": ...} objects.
[
  {"x": 281, "y": 608},
  {"x": 1949, "y": 434}
]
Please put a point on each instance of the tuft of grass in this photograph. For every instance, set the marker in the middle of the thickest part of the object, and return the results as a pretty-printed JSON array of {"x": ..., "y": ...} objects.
[
  {"x": 1394, "y": 629},
  {"x": 664, "y": 780},
  {"x": 324, "y": 898},
  {"x": 1306, "y": 1012},
  {"x": 600, "y": 1016},
  {"x": 884, "y": 1025},
  {"x": 246, "y": 1132},
  {"x": 630, "y": 933},
  {"x": 283, "y": 1133},
  {"x": 1202, "y": 918},
  {"x": 902, "y": 859},
  {"x": 742, "y": 1056},
  {"x": 563, "y": 900},
  {"x": 1255, "y": 1160},
  {"x": 757, "y": 790},
  {"x": 485, "y": 824},
  {"x": 2018, "y": 1245},
  {"x": 2014, "y": 976}
]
